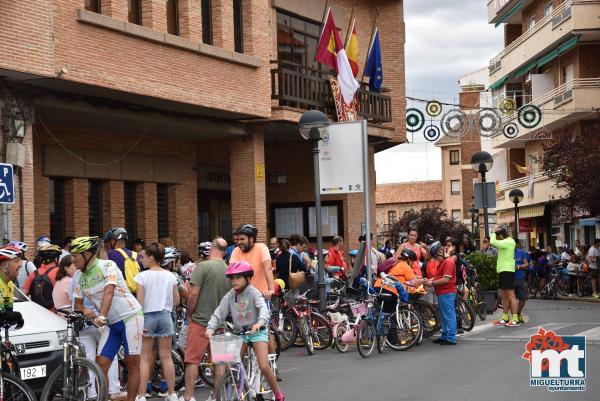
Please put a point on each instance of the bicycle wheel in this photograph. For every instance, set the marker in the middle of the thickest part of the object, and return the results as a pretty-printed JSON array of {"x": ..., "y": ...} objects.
[
  {"x": 480, "y": 306},
  {"x": 431, "y": 318},
  {"x": 15, "y": 389},
  {"x": 276, "y": 338},
  {"x": 206, "y": 369},
  {"x": 85, "y": 381},
  {"x": 385, "y": 328},
  {"x": 533, "y": 285},
  {"x": 365, "y": 338},
  {"x": 405, "y": 329},
  {"x": 304, "y": 331},
  {"x": 230, "y": 388},
  {"x": 179, "y": 366},
  {"x": 467, "y": 314},
  {"x": 288, "y": 331},
  {"x": 320, "y": 332},
  {"x": 338, "y": 332}
]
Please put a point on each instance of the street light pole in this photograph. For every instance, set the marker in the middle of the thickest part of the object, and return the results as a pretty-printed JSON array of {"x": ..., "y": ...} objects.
[
  {"x": 482, "y": 162},
  {"x": 319, "y": 223},
  {"x": 516, "y": 196},
  {"x": 486, "y": 223}
]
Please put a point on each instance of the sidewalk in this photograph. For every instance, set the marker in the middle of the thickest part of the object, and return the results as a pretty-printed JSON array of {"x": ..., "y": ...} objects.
[{"x": 579, "y": 299}]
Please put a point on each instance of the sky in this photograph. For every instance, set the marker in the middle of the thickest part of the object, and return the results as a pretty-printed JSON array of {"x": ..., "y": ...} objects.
[{"x": 438, "y": 52}]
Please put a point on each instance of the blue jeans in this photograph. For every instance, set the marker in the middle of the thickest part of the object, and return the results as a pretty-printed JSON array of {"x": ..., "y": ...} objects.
[{"x": 447, "y": 304}]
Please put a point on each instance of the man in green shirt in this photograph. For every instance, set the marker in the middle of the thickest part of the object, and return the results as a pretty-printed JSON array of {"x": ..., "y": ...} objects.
[
  {"x": 208, "y": 285},
  {"x": 505, "y": 266}
]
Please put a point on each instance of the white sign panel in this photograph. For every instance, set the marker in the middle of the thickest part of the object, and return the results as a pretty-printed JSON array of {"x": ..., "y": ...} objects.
[{"x": 340, "y": 159}]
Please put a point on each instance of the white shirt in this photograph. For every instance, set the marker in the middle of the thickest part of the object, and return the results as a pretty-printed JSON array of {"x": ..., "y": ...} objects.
[
  {"x": 158, "y": 289},
  {"x": 90, "y": 285},
  {"x": 593, "y": 252},
  {"x": 24, "y": 271}
]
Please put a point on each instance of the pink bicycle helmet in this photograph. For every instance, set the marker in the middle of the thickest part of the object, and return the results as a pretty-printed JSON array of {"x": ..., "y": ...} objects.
[{"x": 239, "y": 269}]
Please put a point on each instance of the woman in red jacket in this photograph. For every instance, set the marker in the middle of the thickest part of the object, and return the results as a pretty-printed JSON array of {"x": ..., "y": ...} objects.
[{"x": 336, "y": 264}]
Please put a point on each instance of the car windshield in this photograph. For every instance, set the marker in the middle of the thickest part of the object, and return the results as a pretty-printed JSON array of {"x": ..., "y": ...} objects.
[{"x": 20, "y": 296}]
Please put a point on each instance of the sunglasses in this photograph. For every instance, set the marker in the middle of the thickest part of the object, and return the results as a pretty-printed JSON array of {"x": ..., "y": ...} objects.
[{"x": 484, "y": 241}]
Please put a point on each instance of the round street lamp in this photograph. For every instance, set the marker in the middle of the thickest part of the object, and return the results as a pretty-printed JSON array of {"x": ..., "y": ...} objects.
[
  {"x": 516, "y": 196},
  {"x": 482, "y": 162},
  {"x": 313, "y": 126}
]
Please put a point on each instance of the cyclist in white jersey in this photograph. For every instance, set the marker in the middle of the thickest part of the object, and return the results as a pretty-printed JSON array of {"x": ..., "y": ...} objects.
[{"x": 102, "y": 284}]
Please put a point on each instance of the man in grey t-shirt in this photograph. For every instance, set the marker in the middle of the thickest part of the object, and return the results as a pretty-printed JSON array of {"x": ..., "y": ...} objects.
[
  {"x": 594, "y": 258},
  {"x": 208, "y": 285}
]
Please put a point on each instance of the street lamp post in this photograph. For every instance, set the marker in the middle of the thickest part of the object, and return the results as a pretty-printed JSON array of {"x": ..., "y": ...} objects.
[
  {"x": 516, "y": 196},
  {"x": 482, "y": 162},
  {"x": 313, "y": 126},
  {"x": 474, "y": 213}
]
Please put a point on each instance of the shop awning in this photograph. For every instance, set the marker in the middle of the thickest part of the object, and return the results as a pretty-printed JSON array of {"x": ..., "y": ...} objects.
[
  {"x": 563, "y": 48},
  {"x": 525, "y": 69},
  {"x": 509, "y": 13},
  {"x": 499, "y": 83},
  {"x": 587, "y": 222},
  {"x": 531, "y": 211}
]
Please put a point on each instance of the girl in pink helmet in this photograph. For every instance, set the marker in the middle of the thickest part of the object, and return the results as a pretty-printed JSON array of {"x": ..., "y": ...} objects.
[{"x": 249, "y": 313}]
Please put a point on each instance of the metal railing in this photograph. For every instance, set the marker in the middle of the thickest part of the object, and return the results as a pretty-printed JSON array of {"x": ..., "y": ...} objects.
[
  {"x": 556, "y": 17},
  {"x": 302, "y": 87},
  {"x": 521, "y": 182}
]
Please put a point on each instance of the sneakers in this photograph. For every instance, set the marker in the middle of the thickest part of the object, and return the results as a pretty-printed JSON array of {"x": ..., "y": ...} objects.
[
  {"x": 279, "y": 396},
  {"x": 500, "y": 322},
  {"x": 191, "y": 399},
  {"x": 446, "y": 342},
  {"x": 118, "y": 396},
  {"x": 595, "y": 295},
  {"x": 460, "y": 332},
  {"x": 172, "y": 397},
  {"x": 521, "y": 320},
  {"x": 438, "y": 341},
  {"x": 512, "y": 323},
  {"x": 571, "y": 295},
  {"x": 138, "y": 398}
]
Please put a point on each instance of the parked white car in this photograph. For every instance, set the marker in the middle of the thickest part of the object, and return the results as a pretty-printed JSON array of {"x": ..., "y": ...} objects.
[{"x": 39, "y": 343}]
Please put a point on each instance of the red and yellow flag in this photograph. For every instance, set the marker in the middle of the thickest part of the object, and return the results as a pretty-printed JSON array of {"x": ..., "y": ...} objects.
[{"x": 352, "y": 49}]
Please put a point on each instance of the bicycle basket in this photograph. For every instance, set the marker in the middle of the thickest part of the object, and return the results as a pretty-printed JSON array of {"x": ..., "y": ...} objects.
[
  {"x": 359, "y": 309},
  {"x": 226, "y": 348},
  {"x": 337, "y": 317},
  {"x": 291, "y": 298}
]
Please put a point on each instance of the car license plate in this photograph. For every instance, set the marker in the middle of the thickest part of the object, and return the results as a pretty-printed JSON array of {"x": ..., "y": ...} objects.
[{"x": 33, "y": 372}]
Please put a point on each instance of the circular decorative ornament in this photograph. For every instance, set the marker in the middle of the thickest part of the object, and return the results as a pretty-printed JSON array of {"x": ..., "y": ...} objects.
[
  {"x": 455, "y": 123},
  {"x": 508, "y": 105},
  {"x": 489, "y": 122},
  {"x": 510, "y": 130},
  {"x": 432, "y": 133},
  {"x": 530, "y": 116},
  {"x": 415, "y": 119},
  {"x": 433, "y": 108}
]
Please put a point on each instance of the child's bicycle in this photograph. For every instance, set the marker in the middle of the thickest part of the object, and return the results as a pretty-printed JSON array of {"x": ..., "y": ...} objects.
[
  {"x": 344, "y": 330},
  {"x": 241, "y": 379}
]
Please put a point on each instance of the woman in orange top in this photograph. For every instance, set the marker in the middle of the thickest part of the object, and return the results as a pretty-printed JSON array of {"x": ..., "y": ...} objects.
[{"x": 402, "y": 272}]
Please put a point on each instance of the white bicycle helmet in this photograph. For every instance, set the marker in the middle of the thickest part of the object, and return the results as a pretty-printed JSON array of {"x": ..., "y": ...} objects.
[
  {"x": 8, "y": 252},
  {"x": 171, "y": 255},
  {"x": 19, "y": 245}
]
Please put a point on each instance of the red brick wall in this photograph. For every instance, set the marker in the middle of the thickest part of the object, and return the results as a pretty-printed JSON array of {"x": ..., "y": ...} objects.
[
  {"x": 76, "y": 207},
  {"x": 511, "y": 33},
  {"x": 589, "y": 61},
  {"x": 113, "y": 211},
  {"x": 147, "y": 220}
]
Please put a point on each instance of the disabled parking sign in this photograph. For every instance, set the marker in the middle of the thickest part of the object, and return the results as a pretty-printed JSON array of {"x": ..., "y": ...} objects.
[{"x": 7, "y": 187}]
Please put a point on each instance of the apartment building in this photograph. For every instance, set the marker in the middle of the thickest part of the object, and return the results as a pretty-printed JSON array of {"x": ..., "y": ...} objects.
[
  {"x": 551, "y": 59},
  {"x": 179, "y": 117}
]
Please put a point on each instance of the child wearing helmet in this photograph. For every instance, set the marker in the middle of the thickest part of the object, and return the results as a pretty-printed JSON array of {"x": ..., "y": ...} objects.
[{"x": 249, "y": 313}]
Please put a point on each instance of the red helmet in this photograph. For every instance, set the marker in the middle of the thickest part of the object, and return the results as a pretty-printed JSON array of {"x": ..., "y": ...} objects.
[
  {"x": 9, "y": 252},
  {"x": 240, "y": 269}
]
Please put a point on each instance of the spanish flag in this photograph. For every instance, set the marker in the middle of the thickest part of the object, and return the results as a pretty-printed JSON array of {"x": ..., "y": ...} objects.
[
  {"x": 331, "y": 52},
  {"x": 352, "y": 49}
]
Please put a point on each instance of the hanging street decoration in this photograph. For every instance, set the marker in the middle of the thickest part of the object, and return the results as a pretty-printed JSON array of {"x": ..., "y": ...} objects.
[
  {"x": 415, "y": 120},
  {"x": 432, "y": 133},
  {"x": 508, "y": 105},
  {"x": 510, "y": 130},
  {"x": 530, "y": 116},
  {"x": 433, "y": 108},
  {"x": 455, "y": 123},
  {"x": 488, "y": 122}
]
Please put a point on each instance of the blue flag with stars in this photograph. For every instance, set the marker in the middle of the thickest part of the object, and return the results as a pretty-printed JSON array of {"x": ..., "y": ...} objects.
[{"x": 374, "y": 69}]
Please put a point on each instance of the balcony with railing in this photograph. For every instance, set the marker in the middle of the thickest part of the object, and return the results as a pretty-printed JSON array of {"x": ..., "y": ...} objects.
[
  {"x": 569, "y": 18},
  {"x": 300, "y": 87},
  {"x": 543, "y": 189},
  {"x": 572, "y": 101}
]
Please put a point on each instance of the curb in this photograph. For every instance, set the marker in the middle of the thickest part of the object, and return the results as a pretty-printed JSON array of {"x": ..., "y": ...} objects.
[{"x": 578, "y": 299}]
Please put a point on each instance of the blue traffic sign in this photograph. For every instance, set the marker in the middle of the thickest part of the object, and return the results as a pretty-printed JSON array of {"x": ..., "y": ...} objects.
[{"x": 7, "y": 185}]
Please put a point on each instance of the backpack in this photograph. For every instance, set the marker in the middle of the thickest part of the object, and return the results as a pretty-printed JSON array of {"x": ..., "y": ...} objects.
[
  {"x": 41, "y": 288},
  {"x": 131, "y": 269}
]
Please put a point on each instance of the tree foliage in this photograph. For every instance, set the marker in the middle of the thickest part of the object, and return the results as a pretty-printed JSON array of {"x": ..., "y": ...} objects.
[
  {"x": 429, "y": 220},
  {"x": 575, "y": 160}
]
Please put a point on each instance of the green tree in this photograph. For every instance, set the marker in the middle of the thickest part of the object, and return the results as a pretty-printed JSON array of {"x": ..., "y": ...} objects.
[{"x": 429, "y": 220}]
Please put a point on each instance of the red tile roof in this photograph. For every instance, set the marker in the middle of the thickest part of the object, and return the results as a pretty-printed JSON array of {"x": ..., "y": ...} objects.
[{"x": 409, "y": 192}]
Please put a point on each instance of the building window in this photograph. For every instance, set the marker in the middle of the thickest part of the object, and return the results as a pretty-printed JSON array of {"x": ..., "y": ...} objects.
[
  {"x": 95, "y": 207},
  {"x": 392, "y": 217},
  {"x": 531, "y": 23},
  {"x": 130, "y": 205},
  {"x": 134, "y": 13},
  {"x": 456, "y": 214},
  {"x": 297, "y": 40},
  {"x": 162, "y": 209},
  {"x": 93, "y": 5},
  {"x": 56, "y": 205},
  {"x": 301, "y": 219},
  {"x": 206, "y": 14},
  {"x": 548, "y": 9},
  {"x": 238, "y": 31},
  {"x": 455, "y": 187},
  {"x": 454, "y": 157},
  {"x": 172, "y": 17}
]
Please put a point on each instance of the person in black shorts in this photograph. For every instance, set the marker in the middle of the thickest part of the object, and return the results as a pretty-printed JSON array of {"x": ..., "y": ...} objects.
[{"x": 521, "y": 267}]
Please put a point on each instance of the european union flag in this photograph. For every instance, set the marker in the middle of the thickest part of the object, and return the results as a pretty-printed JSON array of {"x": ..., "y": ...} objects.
[{"x": 374, "y": 69}]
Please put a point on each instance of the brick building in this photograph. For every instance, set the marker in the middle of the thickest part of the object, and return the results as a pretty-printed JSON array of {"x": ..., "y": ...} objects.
[
  {"x": 178, "y": 118},
  {"x": 392, "y": 200}
]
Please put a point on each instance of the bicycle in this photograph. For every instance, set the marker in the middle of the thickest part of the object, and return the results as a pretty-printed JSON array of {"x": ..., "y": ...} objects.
[
  {"x": 77, "y": 378},
  {"x": 550, "y": 290},
  {"x": 584, "y": 284},
  {"x": 475, "y": 299},
  {"x": 466, "y": 314},
  {"x": 242, "y": 379},
  {"x": 344, "y": 331},
  {"x": 11, "y": 386}
]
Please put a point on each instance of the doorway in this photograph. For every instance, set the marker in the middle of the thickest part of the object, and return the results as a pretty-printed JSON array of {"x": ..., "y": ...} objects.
[{"x": 214, "y": 215}]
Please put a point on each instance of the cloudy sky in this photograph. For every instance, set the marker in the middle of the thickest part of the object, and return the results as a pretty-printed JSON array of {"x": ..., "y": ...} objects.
[{"x": 444, "y": 41}]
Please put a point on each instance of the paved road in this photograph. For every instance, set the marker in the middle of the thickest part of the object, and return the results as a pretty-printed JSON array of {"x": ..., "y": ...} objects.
[{"x": 485, "y": 365}]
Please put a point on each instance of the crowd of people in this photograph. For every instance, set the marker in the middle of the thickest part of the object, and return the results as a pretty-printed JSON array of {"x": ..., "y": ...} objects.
[{"x": 132, "y": 294}]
